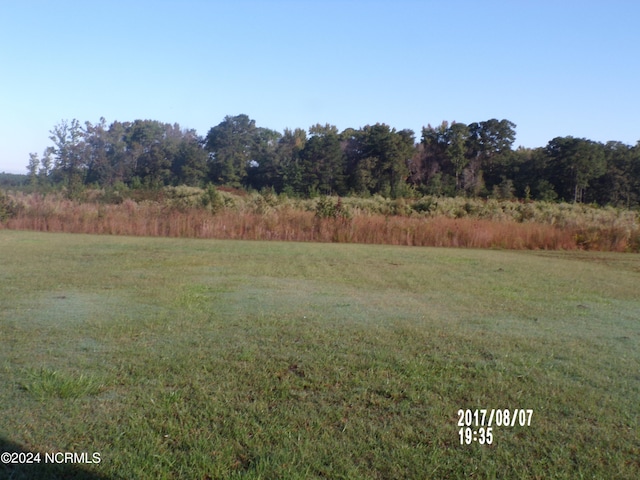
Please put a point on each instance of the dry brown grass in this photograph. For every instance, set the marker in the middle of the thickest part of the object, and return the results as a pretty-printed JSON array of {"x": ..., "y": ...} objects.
[{"x": 56, "y": 214}]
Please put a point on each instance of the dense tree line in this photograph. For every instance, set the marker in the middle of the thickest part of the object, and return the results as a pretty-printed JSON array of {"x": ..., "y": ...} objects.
[
  {"x": 451, "y": 159},
  {"x": 12, "y": 180}
]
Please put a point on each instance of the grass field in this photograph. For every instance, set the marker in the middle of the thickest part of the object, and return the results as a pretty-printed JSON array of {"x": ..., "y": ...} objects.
[{"x": 206, "y": 359}]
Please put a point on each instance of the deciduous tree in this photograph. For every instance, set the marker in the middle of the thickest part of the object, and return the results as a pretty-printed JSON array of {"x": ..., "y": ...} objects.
[
  {"x": 575, "y": 162},
  {"x": 323, "y": 161},
  {"x": 230, "y": 145}
]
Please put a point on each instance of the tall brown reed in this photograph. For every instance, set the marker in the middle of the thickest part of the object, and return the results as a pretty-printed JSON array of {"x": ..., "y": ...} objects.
[
  {"x": 55, "y": 214},
  {"x": 288, "y": 224}
]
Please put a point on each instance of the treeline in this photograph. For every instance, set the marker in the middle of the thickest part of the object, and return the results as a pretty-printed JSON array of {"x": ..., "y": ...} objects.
[
  {"x": 475, "y": 160},
  {"x": 8, "y": 180}
]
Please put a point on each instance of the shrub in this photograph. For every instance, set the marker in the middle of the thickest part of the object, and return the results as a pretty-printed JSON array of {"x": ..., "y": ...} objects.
[
  {"x": 9, "y": 208},
  {"x": 212, "y": 199},
  {"x": 399, "y": 207},
  {"x": 325, "y": 208},
  {"x": 425, "y": 205}
]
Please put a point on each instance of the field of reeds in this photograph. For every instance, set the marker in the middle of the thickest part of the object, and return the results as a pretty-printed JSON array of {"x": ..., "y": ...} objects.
[{"x": 428, "y": 221}]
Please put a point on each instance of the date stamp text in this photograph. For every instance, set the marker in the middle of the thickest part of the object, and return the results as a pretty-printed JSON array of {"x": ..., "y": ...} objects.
[{"x": 478, "y": 425}]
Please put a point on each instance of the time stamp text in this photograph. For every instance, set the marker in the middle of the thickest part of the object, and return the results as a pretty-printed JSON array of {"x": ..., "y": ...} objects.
[{"x": 477, "y": 426}]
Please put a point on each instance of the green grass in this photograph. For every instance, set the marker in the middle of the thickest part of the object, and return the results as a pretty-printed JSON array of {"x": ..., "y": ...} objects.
[
  {"x": 44, "y": 384},
  {"x": 211, "y": 359}
]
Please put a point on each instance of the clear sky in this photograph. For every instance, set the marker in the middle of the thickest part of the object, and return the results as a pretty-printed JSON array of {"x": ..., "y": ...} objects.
[{"x": 554, "y": 68}]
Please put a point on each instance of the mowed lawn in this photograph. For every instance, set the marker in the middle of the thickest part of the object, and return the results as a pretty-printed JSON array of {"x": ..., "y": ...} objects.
[{"x": 204, "y": 359}]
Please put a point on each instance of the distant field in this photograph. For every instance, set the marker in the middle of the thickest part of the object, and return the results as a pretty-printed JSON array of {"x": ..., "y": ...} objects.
[{"x": 207, "y": 359}]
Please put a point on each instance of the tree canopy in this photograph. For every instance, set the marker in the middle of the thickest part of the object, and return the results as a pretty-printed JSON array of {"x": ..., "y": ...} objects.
[{"x": 453, "y": 158}]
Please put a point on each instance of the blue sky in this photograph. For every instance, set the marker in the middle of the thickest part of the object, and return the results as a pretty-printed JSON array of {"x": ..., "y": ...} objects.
[{"x": 554, "y": 68}]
